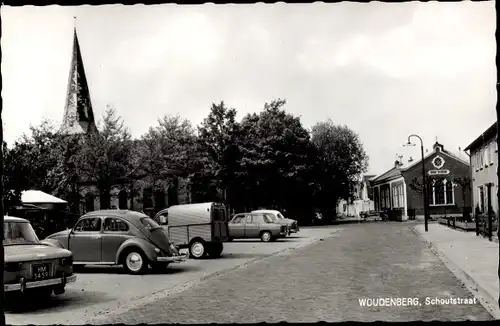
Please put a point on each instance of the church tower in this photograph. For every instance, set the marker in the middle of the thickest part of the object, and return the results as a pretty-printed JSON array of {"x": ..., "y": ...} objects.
[{"x": 78, "y": 114}]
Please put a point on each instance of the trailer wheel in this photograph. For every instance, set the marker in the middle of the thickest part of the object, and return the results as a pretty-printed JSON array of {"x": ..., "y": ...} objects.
[{"x": 198, "y": 249}]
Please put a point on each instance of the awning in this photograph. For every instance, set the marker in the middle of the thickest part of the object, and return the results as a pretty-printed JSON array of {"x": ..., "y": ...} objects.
[{"x": 39, "y": 197}]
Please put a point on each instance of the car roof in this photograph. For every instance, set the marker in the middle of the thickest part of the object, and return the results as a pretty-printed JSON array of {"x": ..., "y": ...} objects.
[
  {"x": 123, "y": 213},
  {"x": 266, "y": 211},
  {"x": 14, "y": 219}
]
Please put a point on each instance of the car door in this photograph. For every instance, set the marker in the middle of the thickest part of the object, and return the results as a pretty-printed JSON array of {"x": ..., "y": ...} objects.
[
  {"x": 85, "y": 240},
  {"x": 237, "y": 226},
  {"x": 251, "y": 226},
  {"x": 115, "y": 231}
]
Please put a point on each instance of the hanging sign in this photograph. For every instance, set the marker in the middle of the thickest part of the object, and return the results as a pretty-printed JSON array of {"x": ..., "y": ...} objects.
[{"x": 438, "y": 172}]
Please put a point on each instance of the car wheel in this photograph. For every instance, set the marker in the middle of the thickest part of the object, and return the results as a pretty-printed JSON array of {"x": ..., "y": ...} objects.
[
  {"x": 198, "y": 249},
  {"x": 159, "y": 266},
  {"x": 216, "y": 249},
  {"x": 266, "y": 236},
  {"x": 135, "y": 262}
]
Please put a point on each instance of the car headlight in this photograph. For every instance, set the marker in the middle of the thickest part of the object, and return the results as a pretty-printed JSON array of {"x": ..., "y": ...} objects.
[{"x": 157, "y": 250}]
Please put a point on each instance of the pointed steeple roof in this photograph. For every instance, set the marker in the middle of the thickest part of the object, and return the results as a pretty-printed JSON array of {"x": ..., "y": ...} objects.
[{"x": 78, "y": 113}]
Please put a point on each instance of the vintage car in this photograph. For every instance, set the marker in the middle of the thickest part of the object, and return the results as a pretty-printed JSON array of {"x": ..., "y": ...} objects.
[
  {"x": 293, "y": 226},
  {"x": 118, "y": 237},
  {"x": 256, "y": 225},
  {"x": 31, "y": 266},
  {"x": 200, "y": 227}
]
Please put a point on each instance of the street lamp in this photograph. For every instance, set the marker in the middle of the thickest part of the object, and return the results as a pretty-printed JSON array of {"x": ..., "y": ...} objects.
[{"x": 424, "y": 183}]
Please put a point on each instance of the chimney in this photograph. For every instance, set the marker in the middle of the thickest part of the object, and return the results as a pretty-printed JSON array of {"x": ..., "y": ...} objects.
[
  {"x": 397, "y": 164},
  {"x": 410, "y": 159}
]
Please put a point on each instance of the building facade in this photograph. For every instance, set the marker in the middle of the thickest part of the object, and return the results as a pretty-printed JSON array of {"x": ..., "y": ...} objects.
[
  {"x": 79, "y": 119},
  {"x": 483, "y": 152},
  {"x": 399, "y": 190}
]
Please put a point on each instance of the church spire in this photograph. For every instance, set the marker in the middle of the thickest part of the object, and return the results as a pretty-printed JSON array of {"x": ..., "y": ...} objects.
[{"x": 78, "y": 114}]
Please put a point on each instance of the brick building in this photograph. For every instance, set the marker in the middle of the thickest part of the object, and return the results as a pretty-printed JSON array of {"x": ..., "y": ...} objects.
[
  {"x": 399, "y": 190},
  {"x": 483, "y": 152}
]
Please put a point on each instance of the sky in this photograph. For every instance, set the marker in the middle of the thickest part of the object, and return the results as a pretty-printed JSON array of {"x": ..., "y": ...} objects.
[{"x": 386, "y": 70}]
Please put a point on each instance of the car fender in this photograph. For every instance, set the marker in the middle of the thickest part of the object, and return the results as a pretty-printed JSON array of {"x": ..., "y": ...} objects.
[
  {"x": 147, "y": 247},
  {"x": 53, "y": 243}
]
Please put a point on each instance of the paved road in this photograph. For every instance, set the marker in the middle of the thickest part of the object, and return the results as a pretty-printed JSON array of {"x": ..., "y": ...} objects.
[
  {"x": 323, "y": 282},
  {"x": 100, "y": 290}
]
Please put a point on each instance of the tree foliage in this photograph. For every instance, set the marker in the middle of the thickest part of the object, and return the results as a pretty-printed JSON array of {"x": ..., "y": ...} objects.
[
  {"x": 341, "y": 161},
  {"x": 267, "y": 159}
]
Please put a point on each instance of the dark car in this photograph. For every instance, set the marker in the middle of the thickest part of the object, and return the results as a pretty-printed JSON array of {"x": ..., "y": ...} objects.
[
  {"x": 256, "y": 225},
  {"x": 31, "y": 266},
  {"x": 118, "y": 237}
]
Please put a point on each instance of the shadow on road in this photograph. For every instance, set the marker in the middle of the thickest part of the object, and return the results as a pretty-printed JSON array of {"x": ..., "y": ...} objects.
[
  {"x": 21, "y": 304},
  {"x": 288, "y": 239},
  {"x": 242, "y": 256},
  {"x": 170, "y": 270}
]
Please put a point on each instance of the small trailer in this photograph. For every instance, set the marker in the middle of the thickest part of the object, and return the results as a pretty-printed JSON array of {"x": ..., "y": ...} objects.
[{"x": 202, "y": 228}]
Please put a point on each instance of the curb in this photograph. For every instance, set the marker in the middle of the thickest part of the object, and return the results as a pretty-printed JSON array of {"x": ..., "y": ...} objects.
[
  {"x": 484, "y": 297},
  {"x": 105, "y": 314}
]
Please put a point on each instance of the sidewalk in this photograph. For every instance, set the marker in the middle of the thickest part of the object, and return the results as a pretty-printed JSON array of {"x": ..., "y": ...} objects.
[{"x": 473, "y": 259}]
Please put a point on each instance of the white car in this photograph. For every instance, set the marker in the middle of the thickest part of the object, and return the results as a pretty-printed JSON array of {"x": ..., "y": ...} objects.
[{"x": 293, "y": 226}]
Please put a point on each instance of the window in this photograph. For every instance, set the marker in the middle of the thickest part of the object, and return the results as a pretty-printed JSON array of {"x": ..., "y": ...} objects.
[
  {"x": 249, "y": 219},
  {"x": 491, "y": 148},
  {"x": 149, "y": 223},
  {"x": 495, "y": 145},
  {"x": 112, "y": 224},
  {"x": 18, "y": 233},
  {"x": 238, "y": 219},
  {"x": 90, "y": 224},
  {"x": 430, "y": 192},
  {"x": 481, "y": 199},
  {"x": 395, "y": 196},
  {"x": 219, "y": 214},
  {"x": 487, "y": 156},
  {"x": 439, "y": 193},
  {"x": 268, "y": 218},
  {"x": 449, "y": 193},
  {"x": 482, "y": 158}
]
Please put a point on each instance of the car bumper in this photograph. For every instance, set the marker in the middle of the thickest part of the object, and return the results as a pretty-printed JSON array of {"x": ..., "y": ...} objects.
[
  {"x": 38, "y": 284},
  {"x": 172, "y": 259}
]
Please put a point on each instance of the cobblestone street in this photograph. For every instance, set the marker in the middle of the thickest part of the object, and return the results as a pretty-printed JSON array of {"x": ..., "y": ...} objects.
[{"x": 324, "y": 282}]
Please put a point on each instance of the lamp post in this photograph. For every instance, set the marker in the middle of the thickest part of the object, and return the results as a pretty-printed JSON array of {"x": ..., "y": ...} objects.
[{"x": 424, "y": 183}]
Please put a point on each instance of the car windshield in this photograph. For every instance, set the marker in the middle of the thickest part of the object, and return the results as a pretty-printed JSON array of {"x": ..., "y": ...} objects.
[
  {"x": 18, "y": 233},
  {"x": 149, "y": 223},
  {"x": 280, "y": 216}
]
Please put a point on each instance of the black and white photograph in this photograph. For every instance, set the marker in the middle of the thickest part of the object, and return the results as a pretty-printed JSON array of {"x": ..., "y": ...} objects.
[{"x": 247, "y": 163}]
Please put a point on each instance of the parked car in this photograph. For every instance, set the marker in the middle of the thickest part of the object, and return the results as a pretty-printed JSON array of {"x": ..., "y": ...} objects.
[
  {"x": 256, "y": 225},
  {"x": 293, "y": 226},
  {"x": 118, "y": 237},
  {"x": 31, "y": 266},
  {"x": 200, "y": 227}
]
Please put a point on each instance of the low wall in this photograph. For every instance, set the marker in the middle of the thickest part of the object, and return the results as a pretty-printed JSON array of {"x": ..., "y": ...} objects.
[{"x": 466, "y": 226}]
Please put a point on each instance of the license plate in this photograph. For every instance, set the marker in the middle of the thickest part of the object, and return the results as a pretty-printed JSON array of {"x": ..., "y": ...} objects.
[{"x": 40, "y": 271}]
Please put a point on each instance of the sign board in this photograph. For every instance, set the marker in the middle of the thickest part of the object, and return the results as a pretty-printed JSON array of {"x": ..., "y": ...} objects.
[{"x": 439, "y": 172}]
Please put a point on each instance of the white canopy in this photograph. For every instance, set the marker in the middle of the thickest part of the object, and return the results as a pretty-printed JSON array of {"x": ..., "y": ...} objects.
[{"x": 39, "y": 197}]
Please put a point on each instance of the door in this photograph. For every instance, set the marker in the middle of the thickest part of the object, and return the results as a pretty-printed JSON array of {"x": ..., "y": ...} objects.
[
  {"x": 237, "y": 226},
  {"x": 115, "y": 231},
  {"x": 85, "y": 240},
  {"x": 252, "y": 229}
]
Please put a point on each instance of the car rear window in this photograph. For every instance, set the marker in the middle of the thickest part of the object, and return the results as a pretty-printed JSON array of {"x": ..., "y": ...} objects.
[{"x": 149, "y": 223}]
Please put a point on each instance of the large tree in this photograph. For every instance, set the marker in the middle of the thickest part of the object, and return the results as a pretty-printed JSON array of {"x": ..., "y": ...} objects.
[
  {"x": 105, "y": 157},
  {"x": 168, "y": 152},
  {"x": 218, "y": 140},
  {"x": 342, "y": 160},
  {"x": 278, "y": 161}
]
